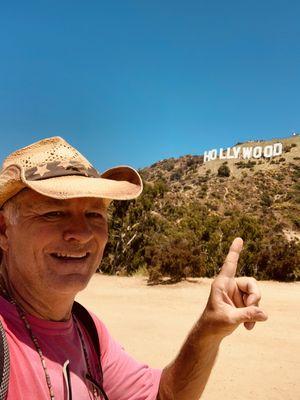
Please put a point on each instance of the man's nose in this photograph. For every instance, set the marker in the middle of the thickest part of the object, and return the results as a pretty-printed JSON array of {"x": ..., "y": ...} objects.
[{"x": 78, "y": 229}]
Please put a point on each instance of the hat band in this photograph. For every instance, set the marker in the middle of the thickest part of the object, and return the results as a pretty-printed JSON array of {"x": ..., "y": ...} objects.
[{"x": 62, "y": 168}]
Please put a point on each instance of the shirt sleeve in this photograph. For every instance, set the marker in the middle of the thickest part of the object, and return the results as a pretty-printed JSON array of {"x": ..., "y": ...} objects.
[{"x": 124, "y": 378}]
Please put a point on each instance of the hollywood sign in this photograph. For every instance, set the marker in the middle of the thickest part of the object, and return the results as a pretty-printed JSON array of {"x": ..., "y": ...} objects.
[{"x": 268, "y": 151}]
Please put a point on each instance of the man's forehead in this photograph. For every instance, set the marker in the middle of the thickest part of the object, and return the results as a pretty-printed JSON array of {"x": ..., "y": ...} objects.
[{"x": 37, "y": 201}]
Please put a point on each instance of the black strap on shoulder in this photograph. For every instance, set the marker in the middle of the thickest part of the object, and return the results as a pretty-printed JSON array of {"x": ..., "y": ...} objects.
[
  {"x": 4, "y": 363},
  {"x": 86, "y": 319}
]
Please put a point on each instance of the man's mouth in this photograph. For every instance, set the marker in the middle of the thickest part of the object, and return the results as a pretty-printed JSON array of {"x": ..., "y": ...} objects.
[{"x": 71, "y": 256}]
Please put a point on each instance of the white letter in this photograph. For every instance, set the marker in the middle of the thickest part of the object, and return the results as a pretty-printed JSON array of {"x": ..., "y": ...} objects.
[
  {"x": 277, "y": 149},
  {"x": 213, "y": 154},
  {"x": 206, "y": 156},
  {"x": 268, "y": 151},
  {"x": 247, "y": 152},
  {"x": 257, "y": 152},
  {"x": 222, "y": 155},
  {"x": 228, "y": 153},
  {"x": 236, "y": 151}
]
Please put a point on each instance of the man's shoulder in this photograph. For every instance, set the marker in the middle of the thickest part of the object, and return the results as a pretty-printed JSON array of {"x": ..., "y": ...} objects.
[
  {"x": 100, "y": 325},
  {"x": 93, "y": 325}
]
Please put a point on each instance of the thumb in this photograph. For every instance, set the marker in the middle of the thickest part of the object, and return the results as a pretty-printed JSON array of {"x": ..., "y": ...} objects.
[{"x": 249, "y": 314}]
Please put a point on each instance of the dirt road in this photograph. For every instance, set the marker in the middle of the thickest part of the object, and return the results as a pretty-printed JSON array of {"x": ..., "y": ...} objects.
[{"x": 152, "y": 322}]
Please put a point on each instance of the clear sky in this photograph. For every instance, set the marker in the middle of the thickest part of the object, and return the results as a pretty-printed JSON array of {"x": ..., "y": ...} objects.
[{"x": 133, "y": 82}]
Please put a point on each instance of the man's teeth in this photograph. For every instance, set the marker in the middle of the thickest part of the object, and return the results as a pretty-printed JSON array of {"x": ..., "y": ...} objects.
[{"x": 65, "y": 255}]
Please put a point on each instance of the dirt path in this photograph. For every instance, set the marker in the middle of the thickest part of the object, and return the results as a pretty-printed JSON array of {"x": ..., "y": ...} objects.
[
  {"x": 152, "y": 322},
  {"x": 225, "y": 194}
]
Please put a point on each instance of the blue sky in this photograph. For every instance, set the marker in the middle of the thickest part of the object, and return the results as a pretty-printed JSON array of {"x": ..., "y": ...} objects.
[{"x": 133, "y": 82}]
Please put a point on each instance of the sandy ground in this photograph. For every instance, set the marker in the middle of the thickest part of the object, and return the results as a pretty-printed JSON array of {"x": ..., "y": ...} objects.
[{"x": 152, "y": 322}]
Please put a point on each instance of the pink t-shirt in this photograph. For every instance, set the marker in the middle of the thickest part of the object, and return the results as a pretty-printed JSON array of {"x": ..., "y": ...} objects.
[{"x": 123, "y": 377}]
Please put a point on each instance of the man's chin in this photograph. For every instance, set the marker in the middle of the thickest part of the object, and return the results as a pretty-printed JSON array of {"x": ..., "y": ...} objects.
[
  {"x": 70, "y": 277},
  {"x": 70, "y": 283}
]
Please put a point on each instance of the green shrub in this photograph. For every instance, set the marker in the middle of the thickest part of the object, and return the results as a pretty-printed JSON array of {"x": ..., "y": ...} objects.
[
  {"x": 176, "y": 175},
  {"x": 177, "y": 239},
  {"x": 249, "y": 164},
  {"x": 224, "y": 170},
  {"x": 168, "y": 165},
  {"x": 266, "y": 200}
]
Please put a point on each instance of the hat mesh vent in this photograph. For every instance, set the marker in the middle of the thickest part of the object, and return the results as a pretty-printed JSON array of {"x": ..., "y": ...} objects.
[{"x": 58, "y": 152}]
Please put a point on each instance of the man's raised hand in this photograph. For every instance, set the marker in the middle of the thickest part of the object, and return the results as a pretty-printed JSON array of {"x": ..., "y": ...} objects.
[{"x": 232, "y": 301}]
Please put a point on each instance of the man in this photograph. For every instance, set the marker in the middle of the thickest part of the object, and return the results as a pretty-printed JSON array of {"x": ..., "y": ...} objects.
[{"x": 53, "y": 230}]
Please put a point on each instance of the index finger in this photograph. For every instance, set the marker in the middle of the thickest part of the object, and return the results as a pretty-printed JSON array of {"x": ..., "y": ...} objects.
[{"x": 229, "y": 267}]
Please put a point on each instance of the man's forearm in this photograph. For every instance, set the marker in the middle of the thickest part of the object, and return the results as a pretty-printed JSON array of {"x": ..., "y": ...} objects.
[
  {"x": 185, "y": 378},
  {"x": 232, "y": 301}
]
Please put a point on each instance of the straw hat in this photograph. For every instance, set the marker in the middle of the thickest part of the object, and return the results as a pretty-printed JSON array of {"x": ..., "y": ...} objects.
[{"x": 53, "y": 168}]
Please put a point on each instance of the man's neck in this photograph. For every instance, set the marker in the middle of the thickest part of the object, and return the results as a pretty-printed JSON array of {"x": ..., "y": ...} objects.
[{"x": 44, "y": 306}]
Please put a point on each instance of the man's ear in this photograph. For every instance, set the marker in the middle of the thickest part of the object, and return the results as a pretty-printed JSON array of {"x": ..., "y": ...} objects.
[{"x": 3, "y": 235}]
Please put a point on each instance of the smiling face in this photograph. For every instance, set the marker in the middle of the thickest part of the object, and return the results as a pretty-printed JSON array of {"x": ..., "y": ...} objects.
[{"x": 54, "y": 244}]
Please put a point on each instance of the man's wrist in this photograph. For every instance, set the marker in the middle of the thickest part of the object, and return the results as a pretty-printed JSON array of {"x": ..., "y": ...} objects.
[{"x": 208, "y": 330}]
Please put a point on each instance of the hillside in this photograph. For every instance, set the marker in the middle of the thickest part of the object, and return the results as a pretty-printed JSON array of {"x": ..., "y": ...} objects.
[
  {"x": 190, "y": 210},
  {"x": 271, "y": 185}
]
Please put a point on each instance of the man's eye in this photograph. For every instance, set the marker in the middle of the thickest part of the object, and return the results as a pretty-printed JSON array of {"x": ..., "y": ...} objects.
[
  {"x": 95, "y": 215},
  {"x": 53, "y": 214}
]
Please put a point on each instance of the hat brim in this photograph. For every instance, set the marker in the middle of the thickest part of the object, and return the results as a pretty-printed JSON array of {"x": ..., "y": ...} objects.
[{"x": 120, "y": 183}]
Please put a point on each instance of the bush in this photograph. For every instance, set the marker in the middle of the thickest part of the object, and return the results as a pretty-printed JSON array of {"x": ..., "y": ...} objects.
[
  {"x": 169, "y": 164},
  {"x": 178, "y": 239},
  {"x": 266, "y": 200},
  {"x": 176, "y": 175},
  {"x": 280, "y": 261},
  {"x": 249, "y": 164},
  {"x": 224, "y": 170}
]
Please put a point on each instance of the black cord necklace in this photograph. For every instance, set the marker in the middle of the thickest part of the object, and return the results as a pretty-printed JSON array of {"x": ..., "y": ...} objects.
[{"x": 23, "y": 317}]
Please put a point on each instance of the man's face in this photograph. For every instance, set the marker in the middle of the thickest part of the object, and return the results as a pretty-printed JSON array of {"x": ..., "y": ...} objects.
[{"x": 56, "y": 244}]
